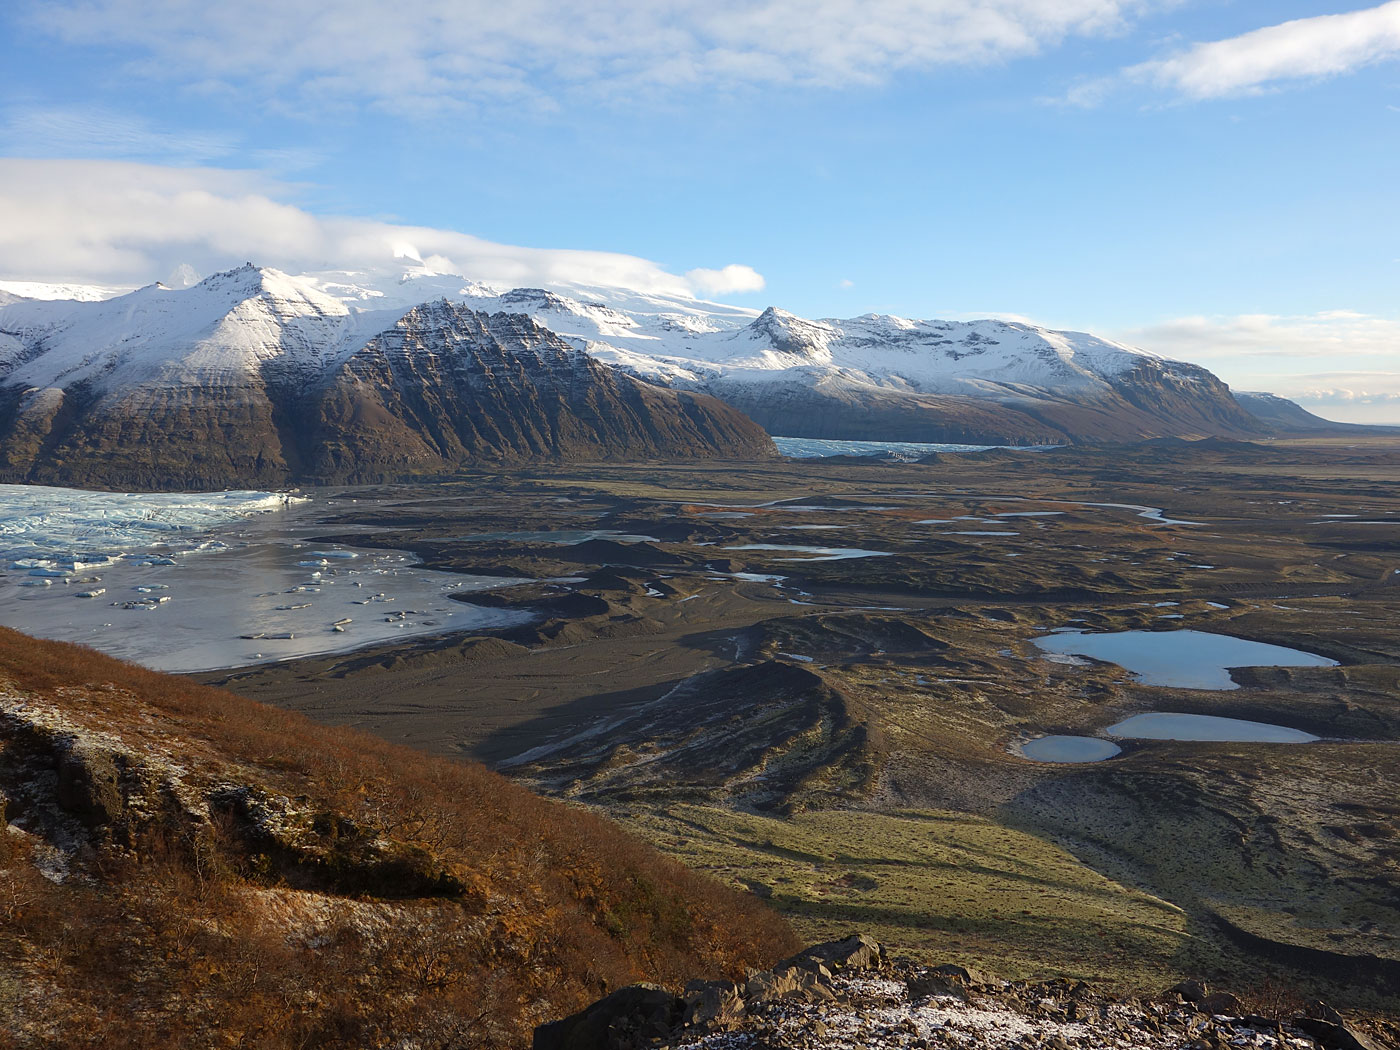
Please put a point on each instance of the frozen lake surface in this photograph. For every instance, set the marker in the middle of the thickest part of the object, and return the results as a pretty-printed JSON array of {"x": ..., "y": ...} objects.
[
  {"x": 1182, "y": 659},
  {"x": 1069, "y": 749},
  {"x": 1166, "y": 725},
  {"x": 208, "y": 581},
  {"x": 810, "y": 448}
]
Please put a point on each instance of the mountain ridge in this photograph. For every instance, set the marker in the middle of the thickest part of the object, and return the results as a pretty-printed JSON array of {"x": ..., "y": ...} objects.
[
  {"x": 248, "y": 352},
  {"x": 255, "y": 377}
]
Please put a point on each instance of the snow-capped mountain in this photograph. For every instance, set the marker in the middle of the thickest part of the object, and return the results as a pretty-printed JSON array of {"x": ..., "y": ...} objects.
[
  {"x": 871, "y": 377},
  {"x": 252, "y": 377},
  {"x": 236, "y": 370}
]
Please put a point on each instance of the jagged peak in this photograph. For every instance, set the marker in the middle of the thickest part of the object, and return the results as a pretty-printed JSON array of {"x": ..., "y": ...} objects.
[{"x": 791, "y": 334}]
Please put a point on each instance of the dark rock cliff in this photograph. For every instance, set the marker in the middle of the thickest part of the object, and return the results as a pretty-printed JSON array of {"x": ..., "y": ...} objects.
[{"x": 446, "y": 388}]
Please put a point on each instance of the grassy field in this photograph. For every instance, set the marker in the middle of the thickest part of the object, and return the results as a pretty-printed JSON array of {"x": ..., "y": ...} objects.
[{"x": 934, "y": 884}]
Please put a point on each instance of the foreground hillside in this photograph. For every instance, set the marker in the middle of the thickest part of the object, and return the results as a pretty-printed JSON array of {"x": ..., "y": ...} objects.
[
  {"x": 183, "y": 867},
  {"x": 820, "y": 680}
]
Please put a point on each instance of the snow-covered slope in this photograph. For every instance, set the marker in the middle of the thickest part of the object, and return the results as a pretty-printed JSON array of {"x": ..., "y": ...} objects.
[
  {"x": 253, "y": 377},
  {"x": 869, "y": 377},
  {"x": 10, "y": 290},
  {"x": 220, "y": 333},
  {"x": 265, "y": 340}
]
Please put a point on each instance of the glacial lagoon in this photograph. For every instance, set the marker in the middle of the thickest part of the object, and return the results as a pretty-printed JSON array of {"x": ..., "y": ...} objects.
[{"x": 194, "y": 582}]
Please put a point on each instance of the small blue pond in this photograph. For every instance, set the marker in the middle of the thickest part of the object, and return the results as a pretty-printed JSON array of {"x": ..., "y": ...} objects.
[{"x": 1166, "y": 725}]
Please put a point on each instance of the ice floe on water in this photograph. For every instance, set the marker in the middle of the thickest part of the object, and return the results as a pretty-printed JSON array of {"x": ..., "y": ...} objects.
[
  {"x": 75, "y": 529},
  {"x": 198, "y": 582}
]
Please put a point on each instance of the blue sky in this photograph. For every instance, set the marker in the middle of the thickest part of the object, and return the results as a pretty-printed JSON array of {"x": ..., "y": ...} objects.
[{"x": 1213, "y": 181}]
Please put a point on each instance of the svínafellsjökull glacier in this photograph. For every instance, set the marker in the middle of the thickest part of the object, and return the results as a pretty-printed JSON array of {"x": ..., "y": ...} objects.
[{"x": 253, "y": 376}]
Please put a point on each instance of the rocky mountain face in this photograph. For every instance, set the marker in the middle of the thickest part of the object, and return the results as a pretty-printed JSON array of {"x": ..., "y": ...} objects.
[
  {"x": 255, "y": 378},
  {"x": 880, "y": 377},
  {"x": 1283, "y": 416},
  {"x": 180, "y": 867}
]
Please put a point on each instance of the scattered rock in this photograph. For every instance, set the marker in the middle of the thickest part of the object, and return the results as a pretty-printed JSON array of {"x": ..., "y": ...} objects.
[
  {"x": 848, "y": 994},
  {"x": 1220, "y": 1003},
  {"x": 640, "y": 1015},
  {"x": 1337, "y": 1036},
  {"x": 857, "y": 952}
]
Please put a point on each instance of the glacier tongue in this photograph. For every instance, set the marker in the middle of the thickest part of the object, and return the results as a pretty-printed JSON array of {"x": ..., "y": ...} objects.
[{"x": 43, "y": 525}]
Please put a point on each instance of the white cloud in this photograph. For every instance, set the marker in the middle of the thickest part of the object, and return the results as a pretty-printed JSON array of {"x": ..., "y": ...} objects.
[
  {"x": 117, "y": 222},
  {"x": 431, "y": 52},
  {"x": 1304, "y": 48},
  {"x": 1333, "y": 362},
  {"x": 1223, "y": 339},
  {"x": 733, "y": 279},
  {"x": 1253, "y": 62}
]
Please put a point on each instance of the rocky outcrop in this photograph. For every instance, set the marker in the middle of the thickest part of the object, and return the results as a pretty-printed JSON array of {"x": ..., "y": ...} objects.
[
  {"x": 448, "y": 387},
  {"x": 848, "y": 993}
]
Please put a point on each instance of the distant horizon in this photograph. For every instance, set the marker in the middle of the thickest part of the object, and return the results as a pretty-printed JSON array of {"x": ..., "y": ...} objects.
[{"x": 1210, "y": 182}]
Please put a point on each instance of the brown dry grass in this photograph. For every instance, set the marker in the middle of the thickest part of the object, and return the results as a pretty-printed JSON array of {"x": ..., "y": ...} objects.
[{"x": 178, "y": 946}]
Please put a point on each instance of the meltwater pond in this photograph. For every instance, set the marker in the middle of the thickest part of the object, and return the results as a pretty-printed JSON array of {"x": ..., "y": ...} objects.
[
  {"x": 1167, "y": 725},
  {"x": 1182, "y": 659},
  {"x": 204, "y": 581},
  {"x": 1069, "y": 749}
]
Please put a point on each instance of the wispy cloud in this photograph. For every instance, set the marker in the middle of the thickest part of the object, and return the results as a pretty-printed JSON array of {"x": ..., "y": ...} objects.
[
  {"x": 115, "y": 222},
  {"x": 1265, "y": 58},
  {"x": 1274, "y": 336},
  {"x": 1334, "y": 361},
  {"x": 1304, "y": 48},
  {"x": 99, "y": 132},
  {"x": 443, "y": 52}
]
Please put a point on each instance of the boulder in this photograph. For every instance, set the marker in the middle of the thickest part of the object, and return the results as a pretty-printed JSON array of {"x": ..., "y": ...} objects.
[
  {"x": 927, "y": 984},
  {"x": 89, "y": 784},
  {"x": 1220, "y": 1003},
  {"x": 1190, "y": 991},
  {"x": 713, "y": 1006},
  {"x": 787, "y": 982},
  {"x": 628, "y": 1019},
  {"x": 961, "y": 973},
  {"x": 1335, "y": 1035},
  {"x": 857, "y": 952}
]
